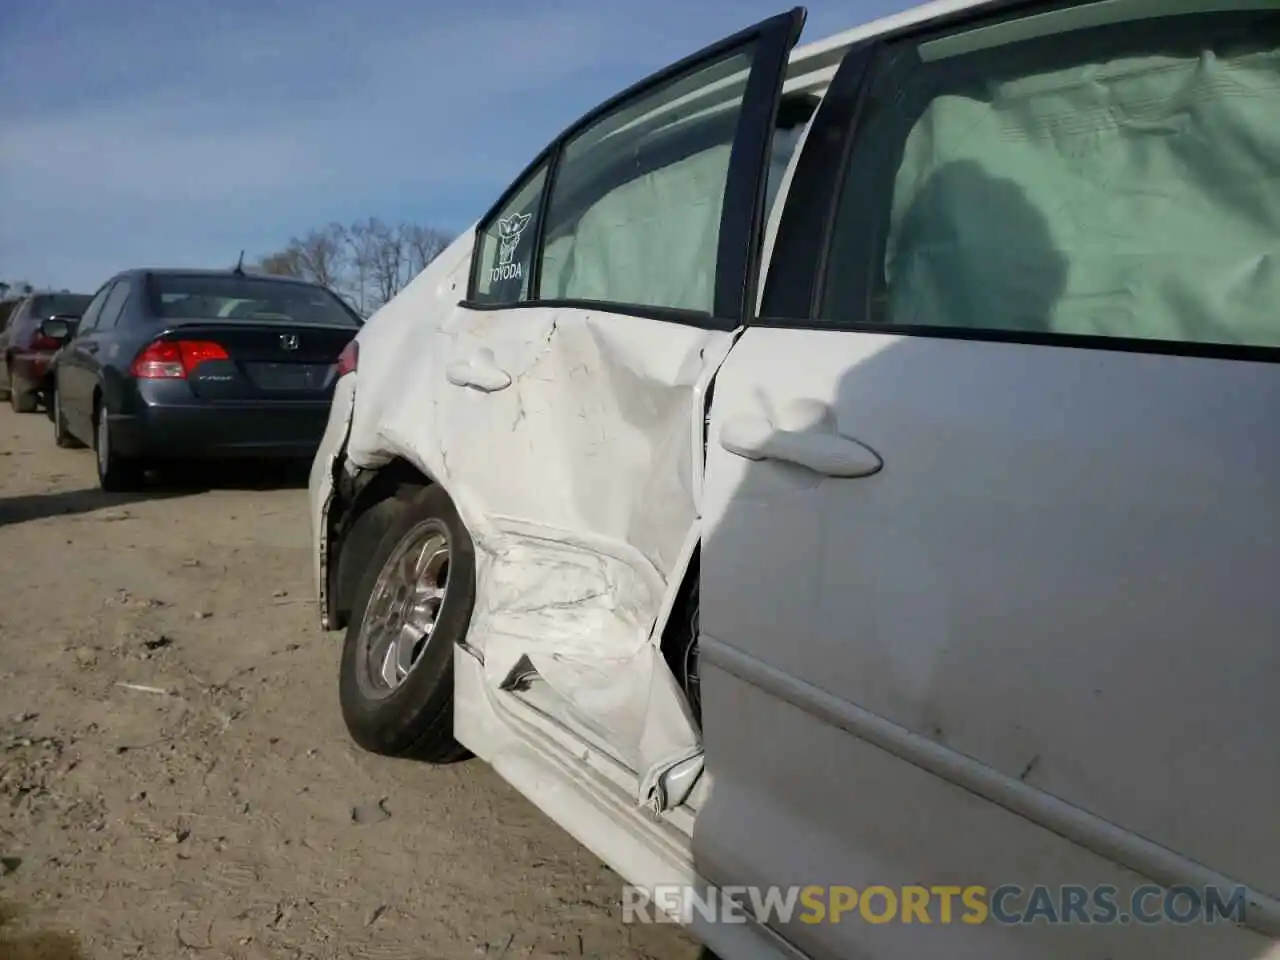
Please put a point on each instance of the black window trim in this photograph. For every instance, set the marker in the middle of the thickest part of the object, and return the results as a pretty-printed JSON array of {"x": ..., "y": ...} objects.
[
  {"x": 734, "y": 296},
  {"x": 797, "y": 272}
]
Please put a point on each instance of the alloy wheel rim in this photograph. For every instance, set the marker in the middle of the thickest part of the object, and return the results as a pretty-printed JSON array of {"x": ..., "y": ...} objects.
[{"x": 405, "y": 605}]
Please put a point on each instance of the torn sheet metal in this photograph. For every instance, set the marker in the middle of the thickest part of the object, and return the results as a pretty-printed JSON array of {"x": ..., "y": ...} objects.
[
  {"x": 567, "y": 440},
  {"x": 322, "y": 480}
]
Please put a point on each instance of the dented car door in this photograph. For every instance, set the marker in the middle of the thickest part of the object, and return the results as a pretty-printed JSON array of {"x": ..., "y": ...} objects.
[{"x": 606, "y": 288}]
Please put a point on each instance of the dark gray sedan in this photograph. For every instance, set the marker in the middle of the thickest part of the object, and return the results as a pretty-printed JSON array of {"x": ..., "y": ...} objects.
[{"x": 170, "y": 365}]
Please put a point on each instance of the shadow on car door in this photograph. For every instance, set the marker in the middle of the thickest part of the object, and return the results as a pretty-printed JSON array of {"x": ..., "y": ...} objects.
[{"x": 987, "y": 594}]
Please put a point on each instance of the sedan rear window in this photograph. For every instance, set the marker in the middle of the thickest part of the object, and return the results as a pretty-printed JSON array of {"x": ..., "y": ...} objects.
[
  {"x": 252, "y": 299},
  {"x": 49, "y": 305}
]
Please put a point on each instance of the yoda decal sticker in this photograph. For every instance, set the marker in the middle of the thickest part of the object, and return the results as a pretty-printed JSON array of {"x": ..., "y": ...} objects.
[{"x": 510, "y": 230}]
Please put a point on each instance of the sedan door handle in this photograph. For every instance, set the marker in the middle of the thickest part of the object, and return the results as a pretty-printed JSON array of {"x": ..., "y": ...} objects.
[
  {"x": 89, "y": 347},
  {"x": 818, "y": 448},
  {"x": 479, "y": 371}
]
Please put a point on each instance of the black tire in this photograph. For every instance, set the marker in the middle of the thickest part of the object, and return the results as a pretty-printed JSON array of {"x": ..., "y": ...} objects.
[
  {"x": 21, "y": 398},
  {"x": 415, "y": 718},
  {"x": 116, "y": 474},
  {"x": 61, "y": 436}
]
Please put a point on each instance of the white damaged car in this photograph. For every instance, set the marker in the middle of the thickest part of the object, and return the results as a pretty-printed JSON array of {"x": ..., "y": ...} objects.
[{"x": 856, "y": 464}]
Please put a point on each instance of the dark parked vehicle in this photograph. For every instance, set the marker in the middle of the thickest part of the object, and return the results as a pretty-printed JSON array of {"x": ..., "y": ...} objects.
[
  {"x": 7, "y": 306},
  {"x": 27, "y": 350},
  {"x": 172, "y": 365}
]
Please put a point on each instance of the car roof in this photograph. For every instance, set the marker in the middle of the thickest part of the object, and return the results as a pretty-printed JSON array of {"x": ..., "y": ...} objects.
[
  {"x": 812, "y": 65},
  {"x": 206, "y": 272},
  {"x": 894, "y": 22}
]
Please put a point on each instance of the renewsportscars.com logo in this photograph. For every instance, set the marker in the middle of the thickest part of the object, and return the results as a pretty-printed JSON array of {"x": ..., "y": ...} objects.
[{"x": 1007, "y": 905}]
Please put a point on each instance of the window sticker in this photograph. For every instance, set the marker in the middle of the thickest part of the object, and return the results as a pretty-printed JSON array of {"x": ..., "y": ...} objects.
[{"x": 510, "y": 231}]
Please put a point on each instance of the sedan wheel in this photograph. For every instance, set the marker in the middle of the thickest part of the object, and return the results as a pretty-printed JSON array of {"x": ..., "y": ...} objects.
[
  {"x": 405, "y": 602},
  {"x": 21, "y": 399},
  {"x": 114, "y": 473},
  {"x": 411, "y": 607},
  {"x": 61, "y": 436}
]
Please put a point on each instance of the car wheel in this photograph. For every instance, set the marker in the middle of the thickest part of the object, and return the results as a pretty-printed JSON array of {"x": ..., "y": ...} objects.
[
  {"x": 115, "y": 474},
  {"x": 61, "y": 436},
  {"x": 22, "y": 400},
  {"x": 4, "y": 386},
  {"x": 412, "y": 604}
]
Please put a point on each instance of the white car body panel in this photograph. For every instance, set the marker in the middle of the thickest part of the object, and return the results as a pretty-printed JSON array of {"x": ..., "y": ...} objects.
[
  {"x": 590, "y": 493},
  {"x": 889, "y": 641},
  {"x": 572, "y": 565},
  {"x": 580, "y": 511}
]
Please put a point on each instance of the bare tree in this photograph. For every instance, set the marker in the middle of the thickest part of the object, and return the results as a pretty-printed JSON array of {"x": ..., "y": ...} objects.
[
  {"x": 321, "y": 255},
  {"x": 361, "y": 244},
  {"x": 423, "y": 244},
  {"x": 367, "y": 262},
  {"x": 285, "y": 263},
  {"x": 388, "y": 253}
]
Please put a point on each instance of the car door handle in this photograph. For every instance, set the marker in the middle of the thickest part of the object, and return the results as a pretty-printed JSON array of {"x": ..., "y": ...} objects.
[
  {"x": 818, "y": 448},
  {"x": 479, "y": 371},
  {"x": 88, "y": 347}
]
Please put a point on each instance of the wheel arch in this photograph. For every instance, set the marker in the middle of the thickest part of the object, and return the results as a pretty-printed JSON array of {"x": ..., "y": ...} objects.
[{"x": 397, "y": 478}]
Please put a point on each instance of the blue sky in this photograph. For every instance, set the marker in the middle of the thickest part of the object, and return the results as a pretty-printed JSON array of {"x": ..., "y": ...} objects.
[{"x": 139, "y": 133}]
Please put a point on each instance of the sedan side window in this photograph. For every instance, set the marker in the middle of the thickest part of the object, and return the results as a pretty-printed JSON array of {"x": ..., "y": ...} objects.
[
  {"x": 636, "y": 200},
  {"x": 504, "y": 248},
  {"x": 90, "y": 318},
  {"x": 1070, "y": 174},
  {"x": 113, "y": 306}
]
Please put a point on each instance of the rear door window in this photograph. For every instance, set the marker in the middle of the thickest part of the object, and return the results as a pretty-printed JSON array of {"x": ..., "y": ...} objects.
[
  {"x": 653, "y": 201},
  {"x": 635, "y": 207},
  {"x": 89, "y": 320},
  {"x": 113, "y": 306}
]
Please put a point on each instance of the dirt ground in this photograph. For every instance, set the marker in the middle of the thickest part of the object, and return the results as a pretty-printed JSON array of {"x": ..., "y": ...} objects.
[{"x": 176, "y": 781}]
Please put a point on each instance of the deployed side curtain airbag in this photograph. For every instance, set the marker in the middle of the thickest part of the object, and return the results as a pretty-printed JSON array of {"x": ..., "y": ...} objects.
[
  {"x": 651, "y": 240},
  {"x": 1131, "y": 198}
]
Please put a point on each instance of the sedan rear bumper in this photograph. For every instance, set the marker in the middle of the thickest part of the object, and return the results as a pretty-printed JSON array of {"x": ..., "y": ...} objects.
[{"x": 172, "y": 431}]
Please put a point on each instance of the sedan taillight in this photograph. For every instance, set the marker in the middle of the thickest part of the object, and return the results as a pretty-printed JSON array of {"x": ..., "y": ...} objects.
[
  {"x": 174, "y": 359},
  {"x": 349, "y": 359}
]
